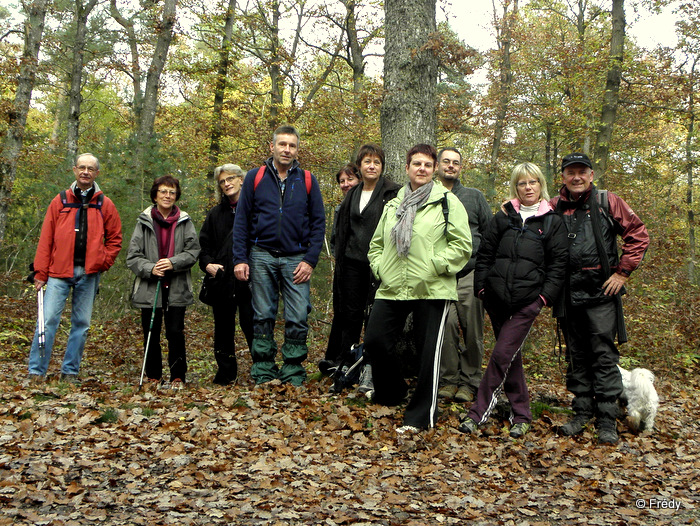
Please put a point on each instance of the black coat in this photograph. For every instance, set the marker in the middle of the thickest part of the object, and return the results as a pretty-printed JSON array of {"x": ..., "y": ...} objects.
[
  {"x": 354, "y": 230},
  {"x": 516, "y": 263},
  {"x": 216, "y": 241}
]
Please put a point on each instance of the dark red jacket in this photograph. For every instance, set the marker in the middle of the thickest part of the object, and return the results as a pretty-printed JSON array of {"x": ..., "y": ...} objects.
[{"x": 585, "y": 270}]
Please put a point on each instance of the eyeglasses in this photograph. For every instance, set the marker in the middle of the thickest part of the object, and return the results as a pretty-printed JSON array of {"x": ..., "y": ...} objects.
[
  {"x": 165, "y": 191},
  {"x": 229, "y": 180},
  {"x": 531, "y": 182},
  {"x": 448, "y": 162},
  {"x": 91, "y": 169}
]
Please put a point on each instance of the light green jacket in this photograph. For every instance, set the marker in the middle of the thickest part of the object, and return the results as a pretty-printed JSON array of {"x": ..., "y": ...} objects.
[{"x": 436, "y": 253}]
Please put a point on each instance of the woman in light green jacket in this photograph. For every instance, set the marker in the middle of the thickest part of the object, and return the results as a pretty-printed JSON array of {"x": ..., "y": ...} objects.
[{"x": 421, "y": 242}]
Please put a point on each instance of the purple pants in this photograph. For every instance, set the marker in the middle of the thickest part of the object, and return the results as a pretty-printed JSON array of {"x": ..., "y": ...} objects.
[{"x": 505, "y": 369}]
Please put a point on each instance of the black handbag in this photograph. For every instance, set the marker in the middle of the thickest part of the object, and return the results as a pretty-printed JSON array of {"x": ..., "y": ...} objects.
[{"x": 210, "y": 293}]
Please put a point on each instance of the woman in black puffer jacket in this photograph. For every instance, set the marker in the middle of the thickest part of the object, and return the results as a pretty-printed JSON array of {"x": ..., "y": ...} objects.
[{"x": 520, "y": 267}]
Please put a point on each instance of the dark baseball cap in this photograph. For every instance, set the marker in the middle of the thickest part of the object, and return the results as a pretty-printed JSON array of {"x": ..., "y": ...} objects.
[{"x": 575, "y": 158}]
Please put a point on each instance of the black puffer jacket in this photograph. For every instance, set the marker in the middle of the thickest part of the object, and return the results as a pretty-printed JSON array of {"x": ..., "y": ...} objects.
[{"x": 517, "y": 263}]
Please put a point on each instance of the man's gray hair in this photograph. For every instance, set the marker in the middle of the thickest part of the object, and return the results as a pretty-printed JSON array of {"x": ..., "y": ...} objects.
[{"x": 86, "y": 154}]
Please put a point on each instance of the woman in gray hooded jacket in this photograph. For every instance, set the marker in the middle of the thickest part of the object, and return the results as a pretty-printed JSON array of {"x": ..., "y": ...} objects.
[{"x": 163, "y": 248}]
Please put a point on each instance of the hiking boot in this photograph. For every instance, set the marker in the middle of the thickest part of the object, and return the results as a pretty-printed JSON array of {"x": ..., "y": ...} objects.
[
  {"x": 70, "y": 378},
  {"x": 575, "y": 424},
  {"x": 327, "y": 367},
  {"x": 607, "y": 431},
  {"x": 468, "y": 426},
  {"x": 366, "y": 384},
  {"x": 177, "y": 384},
  {"x": 447, "y": 391},
  {"x": 464, "y": 394},
  {"x": 520, "y": 429}
]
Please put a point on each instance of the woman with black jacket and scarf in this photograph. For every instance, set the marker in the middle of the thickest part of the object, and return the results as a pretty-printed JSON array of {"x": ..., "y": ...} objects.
[
  {"x": 520, "y": 268},
  {"x": 358, "y": 217},
  {"x": 216, "y": 259}
]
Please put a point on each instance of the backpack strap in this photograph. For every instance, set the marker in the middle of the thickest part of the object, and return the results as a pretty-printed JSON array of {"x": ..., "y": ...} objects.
[
  {"x": 261, "y": 172},
  {"x": 81, "y": 206},
  {"x": 445, "y": 210},
  {"x": 258, "y": 176},
  {"x": 603, "y": 201},
  {"x": 307, "y": 178}
]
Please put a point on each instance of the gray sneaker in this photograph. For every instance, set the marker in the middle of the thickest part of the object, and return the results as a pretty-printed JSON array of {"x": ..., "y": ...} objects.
[
  {"x": 366, "y": 385},
  {"x": 467, "y": 426}
]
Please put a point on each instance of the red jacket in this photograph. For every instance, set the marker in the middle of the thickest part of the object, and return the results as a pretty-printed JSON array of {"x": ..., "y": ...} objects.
[{"x": 54, "y": 255}]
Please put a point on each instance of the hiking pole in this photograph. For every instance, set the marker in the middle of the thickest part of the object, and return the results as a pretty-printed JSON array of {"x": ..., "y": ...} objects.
[
  {"x": 40, "y": 322},
  {"x": 150, "y": 330}
]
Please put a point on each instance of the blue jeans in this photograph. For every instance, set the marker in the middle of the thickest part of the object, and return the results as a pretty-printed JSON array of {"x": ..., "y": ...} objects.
[
  {"x": 57, "y": 289},
  {"x": 271, "y": 276}
]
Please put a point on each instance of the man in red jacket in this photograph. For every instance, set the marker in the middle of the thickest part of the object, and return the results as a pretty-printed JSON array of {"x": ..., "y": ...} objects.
[{"x": 80, "y": 238}]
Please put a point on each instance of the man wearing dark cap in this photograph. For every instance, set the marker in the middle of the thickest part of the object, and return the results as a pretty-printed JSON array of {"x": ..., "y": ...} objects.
[{"x": 591, "y": 306}]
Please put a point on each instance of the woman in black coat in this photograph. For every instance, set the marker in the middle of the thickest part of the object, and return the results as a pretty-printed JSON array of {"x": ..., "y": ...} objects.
[
  {"x": 216, "y": 259},
  {"x": 520, "y": 268},
  {"x": 358, "y": 217}
]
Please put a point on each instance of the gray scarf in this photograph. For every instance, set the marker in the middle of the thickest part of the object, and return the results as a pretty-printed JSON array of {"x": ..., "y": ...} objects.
[{"x": 402, "y": 232}]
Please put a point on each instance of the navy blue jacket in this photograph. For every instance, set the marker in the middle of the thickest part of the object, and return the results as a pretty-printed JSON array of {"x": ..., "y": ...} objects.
[{"x": 283, "y": 225}]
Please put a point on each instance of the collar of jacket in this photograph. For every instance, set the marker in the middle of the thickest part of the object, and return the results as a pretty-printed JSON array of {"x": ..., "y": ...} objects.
[
  {"x": 566, "y": 201},
  {"x": 270, "y": 163}
]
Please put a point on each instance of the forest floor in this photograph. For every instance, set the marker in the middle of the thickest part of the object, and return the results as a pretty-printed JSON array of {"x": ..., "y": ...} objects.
[{"x": 104, "y": 453}]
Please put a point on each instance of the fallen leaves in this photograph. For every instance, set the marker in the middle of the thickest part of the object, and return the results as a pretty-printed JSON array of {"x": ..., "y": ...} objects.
[{"x": 280, "y": 455}]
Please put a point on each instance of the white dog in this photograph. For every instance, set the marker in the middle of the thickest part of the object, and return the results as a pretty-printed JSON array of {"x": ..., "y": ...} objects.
[{"x": 640, "y": 395}]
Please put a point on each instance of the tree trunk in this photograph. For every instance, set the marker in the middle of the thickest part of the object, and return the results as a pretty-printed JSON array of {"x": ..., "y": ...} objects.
[
  {"x": 408, "y": 112},
  {"x": 220, "y": 89},
  {"x": 612, "y": 92},
  {"x": 135, "y": 70},
  {"x": 689, "y": 153},
  {"x": 17, "y": 119},
  {"x": 276, "y": 82},
  {"x": 59, "y": 118},
  {"x": 504, "y": 86},
  {"x": 164, "y": 30},
  {"x": 74, "y": 95},
  {"x": 357, "y": 61}
]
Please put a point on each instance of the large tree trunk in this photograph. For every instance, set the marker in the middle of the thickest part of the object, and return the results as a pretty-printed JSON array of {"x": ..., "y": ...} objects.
[
  {"x": 612, "y": 92},
  {"x": 220, "y": 89},
  {"x": 408, "y": 113},
  {"x": 33, "y": 31},
  {"x": 74, "y": 95},
  {"x": 504, "y": 86}
]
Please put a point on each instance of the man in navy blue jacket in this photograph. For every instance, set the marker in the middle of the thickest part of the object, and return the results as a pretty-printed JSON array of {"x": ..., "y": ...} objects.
[{"x": 277, "y": 238}]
